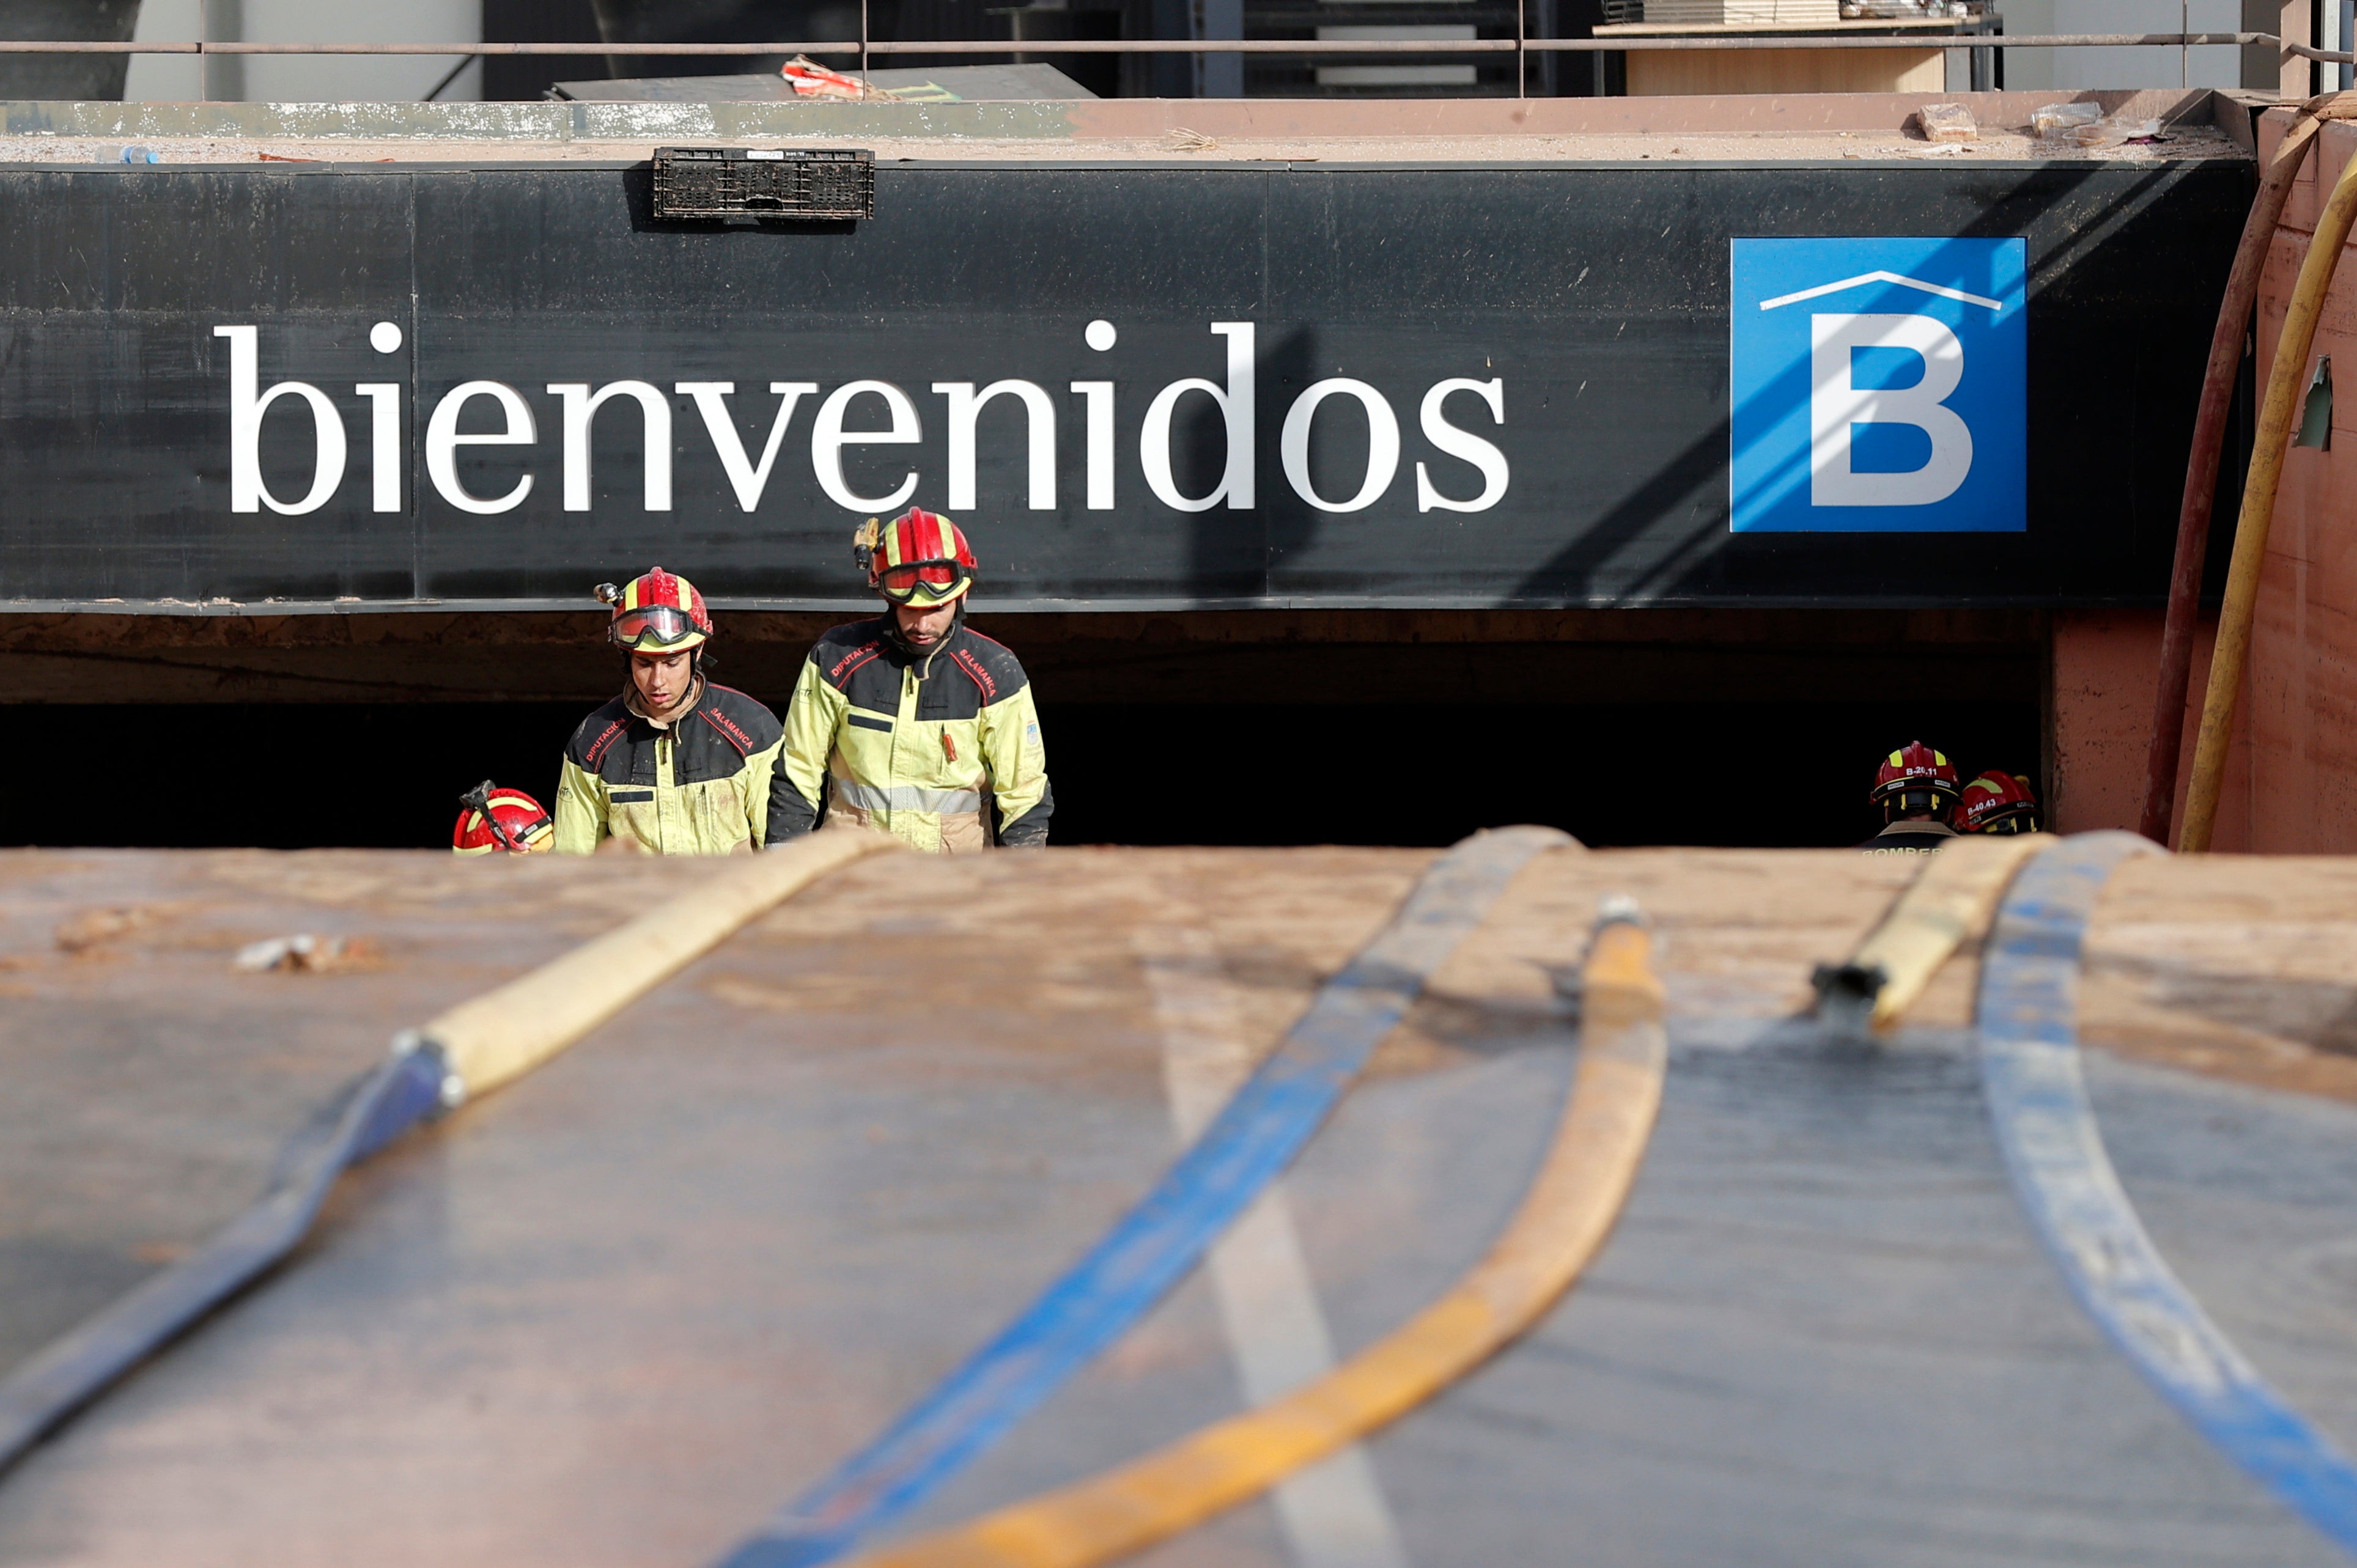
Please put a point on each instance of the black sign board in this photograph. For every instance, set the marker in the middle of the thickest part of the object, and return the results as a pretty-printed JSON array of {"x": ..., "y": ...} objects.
[{"x": 1138, "y": 385}]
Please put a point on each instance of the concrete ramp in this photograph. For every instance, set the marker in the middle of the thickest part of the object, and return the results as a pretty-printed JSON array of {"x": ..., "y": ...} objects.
[{"x": 617, "y": 1312}]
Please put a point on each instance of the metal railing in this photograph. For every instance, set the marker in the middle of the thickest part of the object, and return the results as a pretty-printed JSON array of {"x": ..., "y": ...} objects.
[
  {"x": 1924, "y": 39},
  {"x": 1520, "y": 46}
]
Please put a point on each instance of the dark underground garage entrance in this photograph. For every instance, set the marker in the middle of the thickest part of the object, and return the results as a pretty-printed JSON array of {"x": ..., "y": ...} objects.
[{"x": 1740, "y": 729}]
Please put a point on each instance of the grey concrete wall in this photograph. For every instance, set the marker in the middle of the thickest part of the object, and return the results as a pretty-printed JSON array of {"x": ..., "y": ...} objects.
[{"x": 298, "y": 79}]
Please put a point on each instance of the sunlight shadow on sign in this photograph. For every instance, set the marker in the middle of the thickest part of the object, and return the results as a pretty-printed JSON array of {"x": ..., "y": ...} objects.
[{"x": 1580, "y": 571}]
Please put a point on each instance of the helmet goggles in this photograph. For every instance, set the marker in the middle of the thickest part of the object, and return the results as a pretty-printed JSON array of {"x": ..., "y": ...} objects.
[
  {"x": 923, "y": 582},
  {"x": 653, "y": 627}
]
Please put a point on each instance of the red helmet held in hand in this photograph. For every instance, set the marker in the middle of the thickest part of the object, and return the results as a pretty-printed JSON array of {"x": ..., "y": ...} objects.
[
  {"x": 657, "y": 613},
  {"x": 1915, "y": 778},
  {"x": 918, "y": 558},
  {"x": 1998, "y": 803},
  {"x": 491, "y": 817}
]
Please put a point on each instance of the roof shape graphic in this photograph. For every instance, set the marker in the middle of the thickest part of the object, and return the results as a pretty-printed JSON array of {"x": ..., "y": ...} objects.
[{"x": 1878, "y": 276}]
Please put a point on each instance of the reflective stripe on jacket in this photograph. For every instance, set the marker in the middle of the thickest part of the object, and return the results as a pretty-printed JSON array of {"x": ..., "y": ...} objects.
[
  {"x": 925, "y": 748},
  {"x": 698, "y": 784}
]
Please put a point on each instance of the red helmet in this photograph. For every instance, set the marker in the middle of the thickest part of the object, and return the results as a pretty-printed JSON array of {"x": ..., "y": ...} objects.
[
  {"x": 491, "y": 817},
  {"x": 918, "y": 558},
  {"x": 1998, "y": 803},
  {"x": 659, "y": 613},
  {"x": 1915, "y": 778}
]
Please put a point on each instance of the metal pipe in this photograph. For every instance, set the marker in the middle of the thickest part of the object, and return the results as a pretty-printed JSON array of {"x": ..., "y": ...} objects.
[
  {"x": 1142, "y": 46},
  {"x": 2230, "y": 656},
  {"x": 1196, "y": 46},
  {"x": 1926, "y": 40}
]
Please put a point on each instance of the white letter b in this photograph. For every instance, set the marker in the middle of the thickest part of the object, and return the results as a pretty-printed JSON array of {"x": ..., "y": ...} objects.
[
  {"x": 246, "y": 407},
  {"x": 1835, "y": 405}
]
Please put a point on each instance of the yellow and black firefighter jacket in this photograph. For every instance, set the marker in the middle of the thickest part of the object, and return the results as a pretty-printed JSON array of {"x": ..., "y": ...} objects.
[
  {"x": 695, "y": 784},
  {"x": 939, "y": 748}
]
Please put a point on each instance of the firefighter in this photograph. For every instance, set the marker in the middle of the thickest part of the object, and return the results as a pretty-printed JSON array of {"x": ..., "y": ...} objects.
[
  {"x": 1916, "y": 787},
  {"x": 913, "y": 721},
  {"x": 1997, "y": 803},
  {"x": 677, "y": 764},
  {"x": 491, "y": 818}
]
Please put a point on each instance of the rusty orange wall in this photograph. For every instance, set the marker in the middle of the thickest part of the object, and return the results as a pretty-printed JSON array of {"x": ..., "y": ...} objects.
[
  {"x": 2291, "y": 775},
  {"x": 2300, "y": 696},
  {"x": 2105, "y": 674}
]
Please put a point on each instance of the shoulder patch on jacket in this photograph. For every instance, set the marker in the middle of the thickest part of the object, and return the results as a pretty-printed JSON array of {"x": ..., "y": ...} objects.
[
  {"x": 597, "y": 734},
  {"x": 991, "y": 666},
  {"x": 745, "y": 725},
  {"x": 841, "y": 652}
]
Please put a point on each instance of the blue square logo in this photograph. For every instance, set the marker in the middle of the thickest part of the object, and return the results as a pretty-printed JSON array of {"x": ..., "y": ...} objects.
[{"x": 1881, "y": 386}]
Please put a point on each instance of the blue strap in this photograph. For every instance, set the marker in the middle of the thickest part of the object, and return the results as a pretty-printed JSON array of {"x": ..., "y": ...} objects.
[
  {"x": 2038, "y": 1099},
  {"x": 78, "y": 1367},
  {"x": 1253, "y": 1139}
]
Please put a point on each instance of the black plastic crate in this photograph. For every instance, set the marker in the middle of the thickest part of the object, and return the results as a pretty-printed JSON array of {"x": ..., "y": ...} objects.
[{"x": 765, "y": 182}]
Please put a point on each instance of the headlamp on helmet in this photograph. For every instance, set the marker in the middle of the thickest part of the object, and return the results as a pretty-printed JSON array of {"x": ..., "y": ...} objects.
[{"x": 493, "y": 819}]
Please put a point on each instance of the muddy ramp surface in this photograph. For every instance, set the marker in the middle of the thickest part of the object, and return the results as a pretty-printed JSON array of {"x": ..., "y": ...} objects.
[{"x": 617, "y": 1312}]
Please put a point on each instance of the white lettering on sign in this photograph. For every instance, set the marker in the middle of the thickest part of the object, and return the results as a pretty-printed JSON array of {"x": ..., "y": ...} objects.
[
  {"x": 712, "y": 402},
  {"x": 247, "y": 409},
  {"x": 1462, "y": 444},
  {"x": 384, "y": 443},
  {"x": 836, "y": 427},
  {"x": 1039, "y": 423},
  {"x": 1383, "y": 443},
  {"x": 1097, "y": 399},
  {"x": 1836, "y": 406},
  {"x": 443, "y": 441},
  {"x": 581, "y": 408},
  {"x": 828, "y": 438},
  {"x": 1235, "y": 404}
]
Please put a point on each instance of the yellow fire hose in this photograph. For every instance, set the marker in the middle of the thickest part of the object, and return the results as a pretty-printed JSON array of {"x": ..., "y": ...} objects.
[
  {"x": 1951, "y": 902},
  {"x": 473, "y": 1047},
  {"x": 1564, "y": 1216},
  {"x": 2230, "y": 656},
  {"x": 504, "y": 1034}
]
